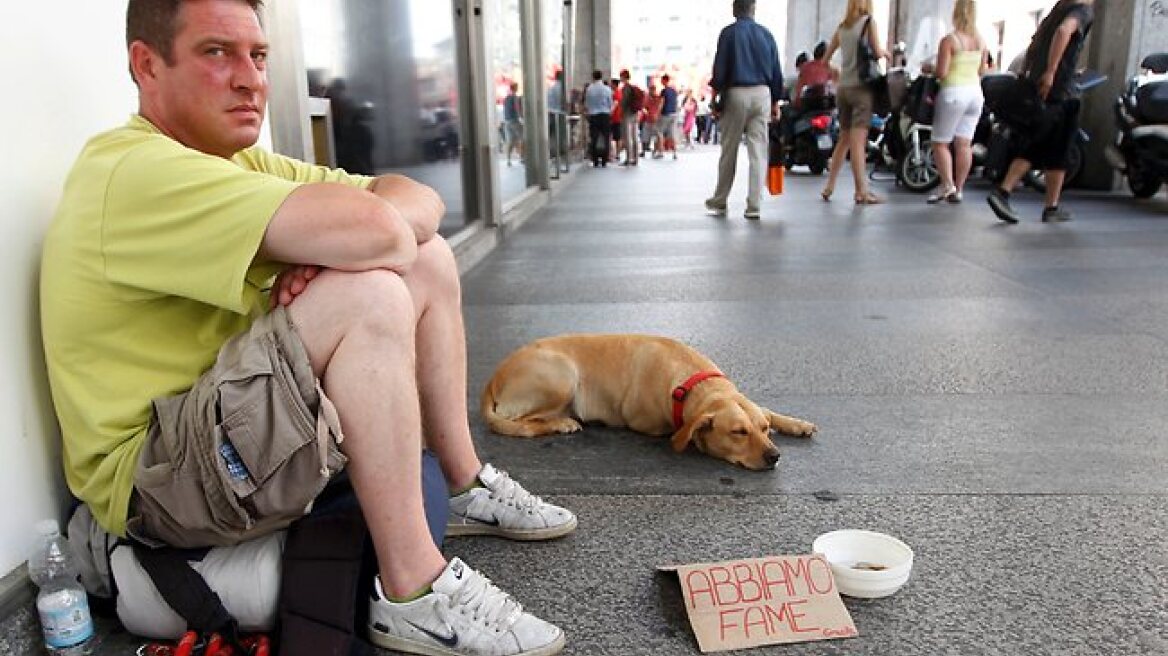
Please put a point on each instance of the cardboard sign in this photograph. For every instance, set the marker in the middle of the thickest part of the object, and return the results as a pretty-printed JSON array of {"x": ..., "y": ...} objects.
[{"x": 763, "y": 601}]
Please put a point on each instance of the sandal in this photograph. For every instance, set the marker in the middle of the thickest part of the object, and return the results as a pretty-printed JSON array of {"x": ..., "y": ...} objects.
[
  {"x": 946, "y": 194},
  {"x": 826, "y": 193},
  {"x": 868, "y": 198}
]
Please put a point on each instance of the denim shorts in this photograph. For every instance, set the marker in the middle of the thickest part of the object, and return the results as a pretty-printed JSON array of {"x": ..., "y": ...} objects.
[{"x": 242, "y": 453}]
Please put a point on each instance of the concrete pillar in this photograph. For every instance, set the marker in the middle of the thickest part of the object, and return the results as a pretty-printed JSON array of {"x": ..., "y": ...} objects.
[
  {"x": 921, "y": 24},
  {"x": 812, "y": 21},
  {"x": 376, "y": 39},
  {"x": 1125, "y": 31},
  {"x": 593, "y": 47},
  {"x": 808, "y": 23},
  {"x": 535, "y": 137}
]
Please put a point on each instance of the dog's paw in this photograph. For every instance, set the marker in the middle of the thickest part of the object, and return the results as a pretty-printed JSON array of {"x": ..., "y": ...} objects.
[
  {"x": 564, "y": 425},
  {"x": 796, "y": 427},
  {"x": 804, "y": 428}
]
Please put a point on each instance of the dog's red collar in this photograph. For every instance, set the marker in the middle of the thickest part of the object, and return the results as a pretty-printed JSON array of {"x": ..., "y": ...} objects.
[{"x": 681, "y": 391}]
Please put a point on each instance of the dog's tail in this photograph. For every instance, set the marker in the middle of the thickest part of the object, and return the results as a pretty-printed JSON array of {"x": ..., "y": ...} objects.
[
  {"x": 497, "y": 420},
  {"x": 506, "y": 418}
]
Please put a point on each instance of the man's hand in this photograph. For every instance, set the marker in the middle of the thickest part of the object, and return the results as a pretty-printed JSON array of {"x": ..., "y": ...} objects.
[
  {"x": 1045, "y": 84},
  {"x": 291, "y": 282}
]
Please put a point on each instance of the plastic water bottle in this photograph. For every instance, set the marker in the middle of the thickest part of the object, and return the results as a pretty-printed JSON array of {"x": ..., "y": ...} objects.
[{"x": 62, "y": 603}]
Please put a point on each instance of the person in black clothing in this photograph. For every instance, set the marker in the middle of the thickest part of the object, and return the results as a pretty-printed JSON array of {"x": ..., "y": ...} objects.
[{"x": 1050, "y": 65}]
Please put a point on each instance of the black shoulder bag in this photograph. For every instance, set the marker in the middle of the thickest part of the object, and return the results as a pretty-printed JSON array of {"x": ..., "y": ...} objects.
[{"x": 867, "y": 64}]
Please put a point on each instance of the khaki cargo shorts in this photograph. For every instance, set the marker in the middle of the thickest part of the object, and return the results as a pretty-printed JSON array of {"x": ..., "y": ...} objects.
[{"x": 244, "y": 452}]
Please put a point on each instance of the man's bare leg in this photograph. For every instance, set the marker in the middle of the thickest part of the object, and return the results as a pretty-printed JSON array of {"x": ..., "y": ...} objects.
[
  {"x": 499, "y": 505},
  {"x": 358, "y": 330},
  {"x": 434, "y": 284}
]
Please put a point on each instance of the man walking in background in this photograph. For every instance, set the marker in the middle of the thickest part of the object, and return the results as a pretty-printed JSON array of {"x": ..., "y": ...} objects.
[
  {"x": 667, "y": 123},
  {"x": 1050, "y": 63},
  {"x": 749, "y": 80},
  {"x": 632, "y": 101},
  {"x": 598, "y": 106}
]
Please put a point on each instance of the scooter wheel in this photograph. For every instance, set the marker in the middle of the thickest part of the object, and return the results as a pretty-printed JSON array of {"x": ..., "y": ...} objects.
[{"x": 1142, "y": 182}]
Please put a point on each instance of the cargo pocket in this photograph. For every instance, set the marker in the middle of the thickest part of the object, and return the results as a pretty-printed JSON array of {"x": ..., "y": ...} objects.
[{"x": 272, "y": 434}]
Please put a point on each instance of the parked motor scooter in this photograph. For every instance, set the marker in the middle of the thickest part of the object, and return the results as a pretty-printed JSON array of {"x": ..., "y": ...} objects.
[
  {"x": 915, "y": 168},
  {"x": 811, "y": 131},
  {"x": 1141, "y": 114}
]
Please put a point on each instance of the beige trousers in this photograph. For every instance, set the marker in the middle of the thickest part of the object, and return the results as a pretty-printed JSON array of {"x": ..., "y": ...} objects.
[{"x": 746, "y": 112}]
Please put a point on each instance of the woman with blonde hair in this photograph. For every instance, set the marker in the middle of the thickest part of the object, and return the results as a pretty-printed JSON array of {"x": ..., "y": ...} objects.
[
  {"x": 961, "y": 61},
  {"x": 853, "y": 98}
]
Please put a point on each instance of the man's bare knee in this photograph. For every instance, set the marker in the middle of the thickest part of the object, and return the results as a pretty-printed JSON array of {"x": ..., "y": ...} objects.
[
  {"x": 435, "y": 270},
  {"x": 339, "y": 303}
]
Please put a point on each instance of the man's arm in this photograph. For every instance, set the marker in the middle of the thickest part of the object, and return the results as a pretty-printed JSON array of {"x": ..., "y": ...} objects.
[
  {"x": 339, "y": 227},
  {"x": 721, "y": 78},
  {"x": 776, "y": 76},
  {"x": 1058, "y": 45},
  {"x": 419, "y": 205}
]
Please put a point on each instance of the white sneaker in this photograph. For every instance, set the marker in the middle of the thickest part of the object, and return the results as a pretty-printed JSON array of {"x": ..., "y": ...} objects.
[
  {"x": 464, "y": 614},
  {"x": 502, "y": 507}
]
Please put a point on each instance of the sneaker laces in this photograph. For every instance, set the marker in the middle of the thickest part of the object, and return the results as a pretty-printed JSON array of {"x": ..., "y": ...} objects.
[
  {"x": 485, "y": 603},
  {"x": 507, "y": 490}
]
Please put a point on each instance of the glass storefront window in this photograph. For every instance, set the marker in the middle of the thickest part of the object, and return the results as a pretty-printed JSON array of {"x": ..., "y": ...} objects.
[
  {"x": 506, "y": 66},
  {"x": 388, "y": 69},
  {"x": 558, "y": 99}
]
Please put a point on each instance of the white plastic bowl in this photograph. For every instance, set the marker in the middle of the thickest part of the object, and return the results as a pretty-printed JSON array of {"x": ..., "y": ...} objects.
[{"x": 849, "y": 548}]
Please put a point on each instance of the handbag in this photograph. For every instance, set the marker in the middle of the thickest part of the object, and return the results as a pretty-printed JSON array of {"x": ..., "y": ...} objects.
[
  {"x": 867, "y": 64},
  {"x": 922, "y": 99}
]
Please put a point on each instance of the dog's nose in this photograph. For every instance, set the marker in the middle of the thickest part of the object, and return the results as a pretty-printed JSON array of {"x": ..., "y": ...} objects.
[{"x": 771, "y": 458}]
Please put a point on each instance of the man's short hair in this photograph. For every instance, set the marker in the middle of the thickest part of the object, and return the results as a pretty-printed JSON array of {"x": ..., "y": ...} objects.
[
  {"x": 155, "y": 23},
  {"x": 598, "y": 75},
  {"x": 625, "y": 75},
  {"x": 743, "y": 8},
  {"x": 820, "y": 50},
  {"x": 665, "y": 79}
]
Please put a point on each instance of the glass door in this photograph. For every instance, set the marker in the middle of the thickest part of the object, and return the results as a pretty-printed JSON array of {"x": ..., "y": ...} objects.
[{"x": 387, "y": 69}]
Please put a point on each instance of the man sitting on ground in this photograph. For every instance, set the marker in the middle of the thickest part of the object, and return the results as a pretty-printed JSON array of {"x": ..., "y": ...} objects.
[{"x": 198, "y": 408}]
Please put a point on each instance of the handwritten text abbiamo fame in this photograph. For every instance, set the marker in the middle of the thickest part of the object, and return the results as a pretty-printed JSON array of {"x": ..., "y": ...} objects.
[{"x": 763, "y": 601}]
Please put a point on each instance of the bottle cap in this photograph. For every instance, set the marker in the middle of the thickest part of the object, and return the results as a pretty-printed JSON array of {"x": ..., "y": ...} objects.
[{"x": 48, "y": 527}]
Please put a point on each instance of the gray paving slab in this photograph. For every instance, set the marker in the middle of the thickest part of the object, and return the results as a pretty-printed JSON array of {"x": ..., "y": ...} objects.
[
  {"x": 996, "y": 396},
  {"x": 992, "y": 574},
  {"x": 972, "y": 444}
]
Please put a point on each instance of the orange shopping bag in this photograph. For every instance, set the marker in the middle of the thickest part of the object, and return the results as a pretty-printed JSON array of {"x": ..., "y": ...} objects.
[
  {"x": 775, "y": 170},
  {"x": 774, "y": 179}
]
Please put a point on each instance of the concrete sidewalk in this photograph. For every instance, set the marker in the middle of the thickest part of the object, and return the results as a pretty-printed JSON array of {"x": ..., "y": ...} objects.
[{"x": 995, "y": 396}]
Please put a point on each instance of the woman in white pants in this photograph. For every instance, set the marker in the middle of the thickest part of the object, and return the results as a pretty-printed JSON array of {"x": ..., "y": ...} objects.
[{"x": 961, "y": 61}]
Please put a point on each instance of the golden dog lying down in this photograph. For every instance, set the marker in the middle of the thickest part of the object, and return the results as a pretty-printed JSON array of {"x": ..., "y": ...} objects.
[{"x": 653, "y": 385}]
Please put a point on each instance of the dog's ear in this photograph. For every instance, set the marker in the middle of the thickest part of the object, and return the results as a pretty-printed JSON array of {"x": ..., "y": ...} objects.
[{"x": 686, "y": 433}]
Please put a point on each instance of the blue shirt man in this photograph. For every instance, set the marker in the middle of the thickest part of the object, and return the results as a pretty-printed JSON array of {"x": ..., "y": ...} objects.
[
  {"x": 668, "y": 98},
  {"x": 749, "y": 83},
  {"x": 747, "y": 56},
  {"x": 598, "y": 106},
  {"x": 598, "y": 98}
]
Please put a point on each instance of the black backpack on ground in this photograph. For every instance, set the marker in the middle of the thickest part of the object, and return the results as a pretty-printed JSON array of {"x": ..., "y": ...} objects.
[{"x": 326, "y": 577}]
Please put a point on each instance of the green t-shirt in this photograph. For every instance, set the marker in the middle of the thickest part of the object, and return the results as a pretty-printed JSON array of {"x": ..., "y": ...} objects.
[{"x": 149, "y": 266}]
